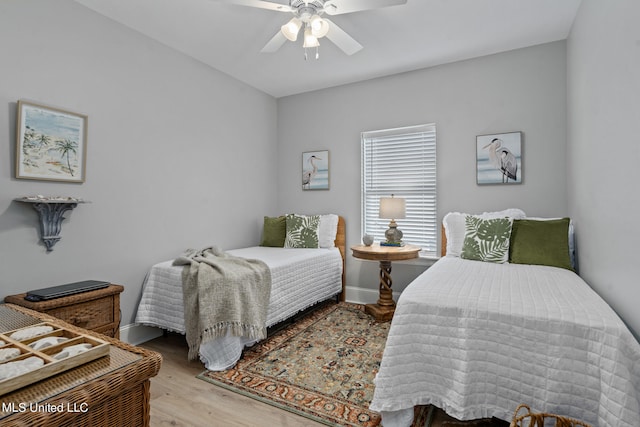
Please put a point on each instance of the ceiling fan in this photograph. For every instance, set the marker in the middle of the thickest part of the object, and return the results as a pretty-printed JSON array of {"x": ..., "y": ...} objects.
[{"x": 308, "y": 14}]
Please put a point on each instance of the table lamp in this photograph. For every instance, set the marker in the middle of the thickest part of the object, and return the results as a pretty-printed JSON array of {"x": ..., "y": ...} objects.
[{"x": 392, "y": 208}]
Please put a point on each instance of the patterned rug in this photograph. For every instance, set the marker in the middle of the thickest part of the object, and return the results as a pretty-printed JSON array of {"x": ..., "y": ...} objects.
[{"x": 321, "y": 367}]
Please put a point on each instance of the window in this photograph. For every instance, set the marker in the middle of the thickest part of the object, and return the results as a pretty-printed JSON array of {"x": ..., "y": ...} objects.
[{"x": 401, "y": 162}]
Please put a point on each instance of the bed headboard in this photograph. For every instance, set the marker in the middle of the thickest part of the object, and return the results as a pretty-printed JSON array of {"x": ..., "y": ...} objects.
[
  {"x": 443, "y": 242},
  {"x": 341, "y": 243}
]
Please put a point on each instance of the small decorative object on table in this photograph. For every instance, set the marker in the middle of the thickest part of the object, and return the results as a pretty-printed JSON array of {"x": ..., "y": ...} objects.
[{"x": 367, "y": 239}]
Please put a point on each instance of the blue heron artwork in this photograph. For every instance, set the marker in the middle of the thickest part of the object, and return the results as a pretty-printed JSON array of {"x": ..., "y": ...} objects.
[
  {"x": 315, "y": 170},
  {"x": 499, "y": 158}
]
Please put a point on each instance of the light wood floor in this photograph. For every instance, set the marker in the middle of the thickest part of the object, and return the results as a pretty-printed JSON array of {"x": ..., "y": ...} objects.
[{"x": 178, "y": 398}]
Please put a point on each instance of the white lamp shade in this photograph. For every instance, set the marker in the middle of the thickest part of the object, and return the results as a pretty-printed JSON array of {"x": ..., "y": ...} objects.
[
  {"x": 392, "y": 208},
  {"x": 290, "y": 29},
  {"x": 309, "y": 39},
  {"x": 319, "y": 27}
]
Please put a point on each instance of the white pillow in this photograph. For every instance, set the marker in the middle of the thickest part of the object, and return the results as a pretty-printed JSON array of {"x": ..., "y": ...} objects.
[
  {"x": 327, "y": 230},
  {"x": 454, "y": 226}
]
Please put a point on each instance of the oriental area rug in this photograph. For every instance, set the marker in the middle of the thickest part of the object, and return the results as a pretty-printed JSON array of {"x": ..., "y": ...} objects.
[{"x": 321, "y": 367}]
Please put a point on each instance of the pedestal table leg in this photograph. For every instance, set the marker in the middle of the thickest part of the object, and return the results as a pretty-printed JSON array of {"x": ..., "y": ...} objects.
[
  {"x": 386, "y": 295},
  {"x": 385, "y": 307}
]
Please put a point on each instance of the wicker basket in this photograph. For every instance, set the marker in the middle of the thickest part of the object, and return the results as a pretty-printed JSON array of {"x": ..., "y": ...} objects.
[
  {"x": 538, "y": 419},
  {"x": 112, "y": 397}
]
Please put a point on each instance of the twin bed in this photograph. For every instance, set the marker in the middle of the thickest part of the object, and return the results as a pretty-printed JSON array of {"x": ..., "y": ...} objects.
[
  {"x": 477, "y": 339},
  {"x": 300, "y": 279}
]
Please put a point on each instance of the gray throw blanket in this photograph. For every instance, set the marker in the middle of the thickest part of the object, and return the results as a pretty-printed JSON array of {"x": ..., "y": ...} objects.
[{"x": 223, "y": 294}]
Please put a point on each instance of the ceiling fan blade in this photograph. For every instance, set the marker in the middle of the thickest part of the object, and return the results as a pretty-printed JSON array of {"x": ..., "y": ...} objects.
[
  {"x": 341, "y": 39},
  {"x": 275, "y": 43},
  {"x": 338, "y": 7},
  {"x": 259, "y": 4}
]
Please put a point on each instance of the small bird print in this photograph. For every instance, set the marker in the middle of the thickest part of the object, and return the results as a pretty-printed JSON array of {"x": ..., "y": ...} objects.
[
  {"x": 308, "y": 175},
  {"x": 503, "y": 160}
]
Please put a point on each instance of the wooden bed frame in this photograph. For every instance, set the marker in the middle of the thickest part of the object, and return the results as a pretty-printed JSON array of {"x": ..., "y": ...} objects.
[
  {"x": 443, "y": 242},
  {"x": 341, "y": 244}
]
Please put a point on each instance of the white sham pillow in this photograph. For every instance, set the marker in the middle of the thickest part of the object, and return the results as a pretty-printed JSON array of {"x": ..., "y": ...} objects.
[
  {"x": 455, "y": 230},
  {"x": 327, "y": 230}
]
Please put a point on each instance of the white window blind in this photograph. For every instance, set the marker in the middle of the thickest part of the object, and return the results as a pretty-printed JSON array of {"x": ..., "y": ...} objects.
[{"x": 401, "y": 162}]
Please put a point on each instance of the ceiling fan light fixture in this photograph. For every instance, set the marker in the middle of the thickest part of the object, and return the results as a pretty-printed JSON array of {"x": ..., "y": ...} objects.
[
  {"x": 319, "y": 27},
  {"x": 291, "y": 29},
  {"x": 310, "y": 40}
]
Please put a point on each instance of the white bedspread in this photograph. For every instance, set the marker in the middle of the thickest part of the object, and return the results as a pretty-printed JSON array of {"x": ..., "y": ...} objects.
[
  {"x": 476, "y": 339},
  {"x": 300, "y": 278}
]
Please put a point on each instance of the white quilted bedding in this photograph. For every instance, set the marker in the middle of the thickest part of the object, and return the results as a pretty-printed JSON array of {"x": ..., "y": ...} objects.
[
  {"x": 300, "y": 278},
  {"x": 476, "y": 339}
]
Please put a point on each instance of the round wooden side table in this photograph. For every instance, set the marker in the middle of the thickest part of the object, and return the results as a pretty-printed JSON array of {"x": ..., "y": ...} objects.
[{"x": 385, "y": 307}]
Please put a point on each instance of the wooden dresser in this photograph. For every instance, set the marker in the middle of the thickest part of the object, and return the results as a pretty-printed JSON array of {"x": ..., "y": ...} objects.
[{"x": 97, "y": 310}]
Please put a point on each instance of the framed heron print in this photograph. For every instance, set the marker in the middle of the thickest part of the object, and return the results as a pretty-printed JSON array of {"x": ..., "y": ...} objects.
[
  {"x": 499, "y": 158},
  {"x": 315, "y": 170},
  {"x": 51, "y": 143}
]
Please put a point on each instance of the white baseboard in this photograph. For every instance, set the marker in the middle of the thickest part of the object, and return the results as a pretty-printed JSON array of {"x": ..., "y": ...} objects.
[
  {"x": 365, "y": 296},
  {"x": 137, "y": 334}
]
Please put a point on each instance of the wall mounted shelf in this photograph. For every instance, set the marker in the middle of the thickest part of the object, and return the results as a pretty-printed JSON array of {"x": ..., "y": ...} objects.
[{"x": 50, "y": 213}]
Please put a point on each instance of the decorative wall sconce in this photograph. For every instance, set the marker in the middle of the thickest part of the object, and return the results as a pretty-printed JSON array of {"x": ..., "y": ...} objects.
[{"x": 50, "y": 213}]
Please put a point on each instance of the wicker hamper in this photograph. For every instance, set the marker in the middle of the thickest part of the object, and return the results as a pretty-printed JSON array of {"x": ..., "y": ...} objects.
[
  {"x": 113, "y": 391},
  {"x": 538, "y": 419}
]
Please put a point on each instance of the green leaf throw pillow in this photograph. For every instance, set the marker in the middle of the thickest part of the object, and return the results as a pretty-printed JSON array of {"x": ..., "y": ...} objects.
[
  {"x": 274, "y": 231},
  {"x": 302, "y": 231},
  {"x": 486, "y": 239},
  {"x": 541, "y": 243}
]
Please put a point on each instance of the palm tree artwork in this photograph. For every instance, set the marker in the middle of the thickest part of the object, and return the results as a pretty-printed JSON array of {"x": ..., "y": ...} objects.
[
  {"x": 52, "y": 143},
  {"x": 65, "y": 148},
  {"x": 43, "y": 139}
]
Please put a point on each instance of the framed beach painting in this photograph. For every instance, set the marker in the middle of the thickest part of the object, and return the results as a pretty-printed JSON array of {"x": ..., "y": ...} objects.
[
  {"x": 51, "y": 143},
  {"x": 315, "y": 170},
  {"x": 499, "y": 158}
]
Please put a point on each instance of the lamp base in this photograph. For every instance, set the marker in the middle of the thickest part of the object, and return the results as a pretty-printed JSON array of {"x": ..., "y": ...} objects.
[{"x": 393, "y": 235}]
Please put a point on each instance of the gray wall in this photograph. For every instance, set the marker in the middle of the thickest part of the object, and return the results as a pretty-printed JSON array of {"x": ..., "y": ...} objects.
[
  {"x": 161, "y": 174},
  {"x": 171, "y": 161},
  {"x": 522, "y": 90},
  {"x": 604, "y": 149}
]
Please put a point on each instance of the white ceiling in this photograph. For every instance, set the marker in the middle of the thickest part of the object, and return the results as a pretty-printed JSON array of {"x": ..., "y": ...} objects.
[{"x": 418, "y": 34}]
